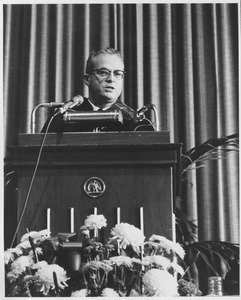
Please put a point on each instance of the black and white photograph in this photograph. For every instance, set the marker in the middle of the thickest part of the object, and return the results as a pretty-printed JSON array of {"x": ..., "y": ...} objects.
[{"x": 120, "y": 149}]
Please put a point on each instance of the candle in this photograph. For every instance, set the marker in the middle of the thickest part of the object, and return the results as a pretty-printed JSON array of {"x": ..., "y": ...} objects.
[
  {"x": 174, "y": 227},
  {"x": 118, "y": 222},
  {"x": 48, "y": 219},
  {"x": 118, "y": 215},
  {"x": 96, "y": 229},
  {"x": 71, "y": 219},
  {"x": 141, "y": 220},
  {"x": 174, "y": 239},
  {"x": 142, "y": 229}
]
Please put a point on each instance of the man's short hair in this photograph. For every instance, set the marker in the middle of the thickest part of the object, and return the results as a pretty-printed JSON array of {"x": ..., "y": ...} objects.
[{"x": 89, "y": 65}]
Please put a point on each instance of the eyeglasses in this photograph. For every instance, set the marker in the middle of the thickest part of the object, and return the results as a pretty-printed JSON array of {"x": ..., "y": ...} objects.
[{"x": 105, "y": 73}]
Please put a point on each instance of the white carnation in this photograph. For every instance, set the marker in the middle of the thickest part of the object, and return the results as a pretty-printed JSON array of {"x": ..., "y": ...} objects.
[
  {"x": 38, "y": 251},
  {"x": 26, "y": 236},
  {"x": 10, "y": 253},
  {"x": 169, "y": 245},
  {"x": 135, "y": 260},
  {"x": 99, "y": 264},
  {"x": 19, "y": 266},
  {"x": 24, "y": 245},
  {"x": 177, "y": 268},
  {"x": 128, "y": 235},
  {"x": 156, "y": 260},
  {"x": 159, "y": 283},
  {"x": 108, "y": 292},
  {"x": 80, "y": 293},
  {"x": 95, "y": 222},
  {"x": 42, "y": 235},
  {"x": 134, "y": 293},
  {"x": 35, "y": 235},
  {"x": 45, "y": 279},
  {"x": 121, "y": 260},
  {"x": 39, "y": 265}
]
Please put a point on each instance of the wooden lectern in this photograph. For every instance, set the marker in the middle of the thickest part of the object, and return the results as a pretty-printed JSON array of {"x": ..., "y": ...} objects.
[{"x": 124, "y": 176}]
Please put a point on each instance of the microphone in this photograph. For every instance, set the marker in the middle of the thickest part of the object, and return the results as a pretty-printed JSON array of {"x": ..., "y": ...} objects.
[
  {"x": 93, "y": 116},
  {"x": 139, "y": 114},
  {"x": 76, "y": 100},
  {"x": 127, "y": 111}
]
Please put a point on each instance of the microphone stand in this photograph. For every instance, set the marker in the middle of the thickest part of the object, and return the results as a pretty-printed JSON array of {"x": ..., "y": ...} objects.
[
  {"x": 140, "y": 114},
  {"x": 47, "y": 105}
]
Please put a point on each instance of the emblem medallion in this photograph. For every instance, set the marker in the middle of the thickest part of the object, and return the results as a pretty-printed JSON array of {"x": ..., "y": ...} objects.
[{"x": 94, "y": 187}]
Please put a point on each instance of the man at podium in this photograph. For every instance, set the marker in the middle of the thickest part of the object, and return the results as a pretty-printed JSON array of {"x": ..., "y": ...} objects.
[{"x": 104, "y": 78}]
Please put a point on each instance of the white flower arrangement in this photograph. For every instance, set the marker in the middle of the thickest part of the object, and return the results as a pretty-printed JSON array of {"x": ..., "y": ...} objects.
[
  {"x": 80, "y": 293},
  {"x": 159, "y": 283},
  {"x": 161, "y": 262},
  {"x": 45, "y": 279},
  {"x": 95, "y": 222},
  {"x": 111, "y": 270},
  {"x": 108, "y": 292},
  {"x": 128, "y": 235},
  {"x": 19, "y": 266},
  {"x": 37, "y": 236},
  {"x": 11, "y": 253},
  {"x": 27, "y": 276},
  {"x": 167, "y": 245}
]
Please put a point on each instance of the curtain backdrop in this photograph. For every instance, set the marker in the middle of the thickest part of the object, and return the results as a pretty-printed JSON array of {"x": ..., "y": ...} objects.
[{"x": 181, "y": 57}]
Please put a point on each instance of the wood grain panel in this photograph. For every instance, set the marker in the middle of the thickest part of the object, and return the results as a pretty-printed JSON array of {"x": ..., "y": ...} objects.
[
  {"x": 135, "y": 174},
  {"x": 126, "y": 187}
]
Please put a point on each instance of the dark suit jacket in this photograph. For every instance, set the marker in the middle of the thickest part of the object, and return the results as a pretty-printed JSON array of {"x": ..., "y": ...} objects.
[{"x": 59, "y": 125}]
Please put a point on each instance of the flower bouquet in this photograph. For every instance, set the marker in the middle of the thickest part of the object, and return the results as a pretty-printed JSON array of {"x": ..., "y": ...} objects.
[
  {"x": 27, "y": 271},
  {"x": 126, "y": 266}
]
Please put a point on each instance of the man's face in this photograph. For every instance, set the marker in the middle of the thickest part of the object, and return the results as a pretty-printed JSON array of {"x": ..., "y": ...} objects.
[{"x": 104, "y": 91}]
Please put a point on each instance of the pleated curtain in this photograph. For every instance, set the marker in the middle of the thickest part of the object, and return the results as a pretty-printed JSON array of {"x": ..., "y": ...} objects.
[{"x": 181, "y": 57}]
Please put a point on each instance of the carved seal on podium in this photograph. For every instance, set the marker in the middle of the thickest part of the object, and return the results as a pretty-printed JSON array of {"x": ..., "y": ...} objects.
[{"x": 94, "y": 187}]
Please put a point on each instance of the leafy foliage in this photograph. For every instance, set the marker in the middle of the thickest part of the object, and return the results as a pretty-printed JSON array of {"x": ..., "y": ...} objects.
[
  {"x": 208, "y": 257},
  {"x": 212, "y": 149}
]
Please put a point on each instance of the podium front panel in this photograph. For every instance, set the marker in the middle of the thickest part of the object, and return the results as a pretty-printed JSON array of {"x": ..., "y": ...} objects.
[
  {"x": 128, "y": 188},
  {"x": 135, "y": 175}
]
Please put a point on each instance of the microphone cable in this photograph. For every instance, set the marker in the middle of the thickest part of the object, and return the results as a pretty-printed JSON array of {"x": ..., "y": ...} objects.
[
  {"x": 32, "y": 179},
  {"x": 149, "y": 124}
]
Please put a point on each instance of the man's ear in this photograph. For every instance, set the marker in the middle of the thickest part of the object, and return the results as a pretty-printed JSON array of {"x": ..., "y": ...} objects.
[{"x": 86, "y": 79}]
